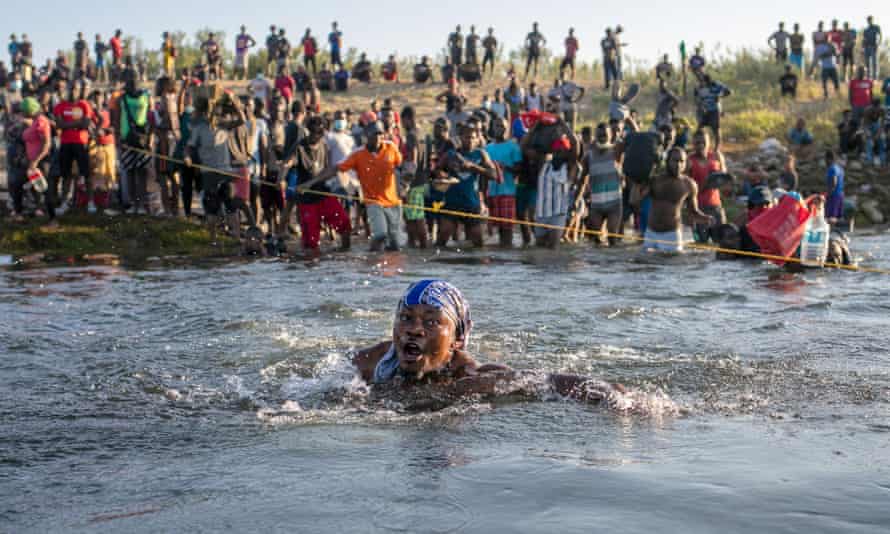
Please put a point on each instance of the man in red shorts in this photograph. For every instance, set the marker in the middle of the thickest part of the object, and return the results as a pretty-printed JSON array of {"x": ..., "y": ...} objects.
[
  {"x": 505, "y": 152},
  {"x": 313, "y": 200}
]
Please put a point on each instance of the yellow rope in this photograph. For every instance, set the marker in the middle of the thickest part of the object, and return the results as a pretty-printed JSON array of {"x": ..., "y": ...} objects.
[{"x": 586, "y": 231}]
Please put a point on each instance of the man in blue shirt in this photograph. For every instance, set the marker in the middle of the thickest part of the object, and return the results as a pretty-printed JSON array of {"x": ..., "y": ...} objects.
[
  {"x": 800, "y": 139},
  {"x": 506, "y": 153},
  {"x": 335, "y": 38},
  {"x": 13, "y": 50},
  {"x": 871, "y": 40},
  {"x": 834, "y": 205}
]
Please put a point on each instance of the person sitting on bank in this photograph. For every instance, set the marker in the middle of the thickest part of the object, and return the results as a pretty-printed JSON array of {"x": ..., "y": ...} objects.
[
  {"x": 800, "y": 139},
  {"x": 788, "y": 83}
]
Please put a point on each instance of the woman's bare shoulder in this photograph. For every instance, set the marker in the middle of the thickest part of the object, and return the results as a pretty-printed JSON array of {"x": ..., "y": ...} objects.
[{"x": 366, "y": 360}]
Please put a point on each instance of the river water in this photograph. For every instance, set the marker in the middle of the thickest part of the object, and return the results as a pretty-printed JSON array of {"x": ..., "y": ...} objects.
[{"x": 220, "y": 397}]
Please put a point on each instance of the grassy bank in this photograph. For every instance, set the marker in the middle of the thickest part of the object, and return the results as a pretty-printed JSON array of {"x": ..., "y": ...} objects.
[{"x": 131, "y": 238}]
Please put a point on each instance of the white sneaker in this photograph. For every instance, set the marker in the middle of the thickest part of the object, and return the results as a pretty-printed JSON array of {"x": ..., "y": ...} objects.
[
  {"x": 110, "y": 212},
  {"x": 91, "y": 207}
]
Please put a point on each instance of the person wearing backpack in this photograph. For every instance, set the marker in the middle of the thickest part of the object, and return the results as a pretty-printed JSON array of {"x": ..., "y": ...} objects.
[{"x": 135, "y": 138}]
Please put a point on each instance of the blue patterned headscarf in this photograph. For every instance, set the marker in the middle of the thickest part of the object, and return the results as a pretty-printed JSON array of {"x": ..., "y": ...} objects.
[{"x": 440, "y": 295}]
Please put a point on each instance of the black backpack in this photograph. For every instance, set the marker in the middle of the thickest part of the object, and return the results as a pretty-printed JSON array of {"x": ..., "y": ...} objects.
[{"x": 642, "y": 155}]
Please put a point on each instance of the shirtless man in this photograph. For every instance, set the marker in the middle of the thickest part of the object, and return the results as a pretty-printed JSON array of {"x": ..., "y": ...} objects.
[{"x": 670, "y": 192}]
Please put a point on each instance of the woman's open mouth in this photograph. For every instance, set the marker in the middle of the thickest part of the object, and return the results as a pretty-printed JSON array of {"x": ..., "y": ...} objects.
[{"x": 411, "y": 352}]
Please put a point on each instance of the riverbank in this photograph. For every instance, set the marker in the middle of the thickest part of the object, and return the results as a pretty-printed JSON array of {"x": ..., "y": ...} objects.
[{"x": 123, "y": 238}]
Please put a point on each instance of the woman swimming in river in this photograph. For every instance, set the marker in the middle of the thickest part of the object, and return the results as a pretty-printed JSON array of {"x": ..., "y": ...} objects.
[{"x": 428, "y": 349}]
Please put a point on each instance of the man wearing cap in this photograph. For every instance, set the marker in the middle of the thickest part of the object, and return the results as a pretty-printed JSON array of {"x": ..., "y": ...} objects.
[{"x": 375, "y": 165}]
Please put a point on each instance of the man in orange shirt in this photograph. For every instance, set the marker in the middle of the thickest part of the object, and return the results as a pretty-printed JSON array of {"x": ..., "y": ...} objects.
[{"x": 375, "y": 165}]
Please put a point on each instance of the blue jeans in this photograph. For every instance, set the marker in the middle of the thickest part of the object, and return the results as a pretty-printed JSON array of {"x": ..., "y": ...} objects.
[
  {"x": 610, "y": 69},
  {"x": 871, "y": 62},
  {"x": 871, "y": 140},
  {"x": 385, "y": 223}
]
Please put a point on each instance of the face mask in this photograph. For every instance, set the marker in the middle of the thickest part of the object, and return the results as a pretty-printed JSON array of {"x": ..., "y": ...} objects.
[
  {"x": 340, "y": 125},
  {"x": 190, "y": 109},
  {"x": 16, "y": 85}
]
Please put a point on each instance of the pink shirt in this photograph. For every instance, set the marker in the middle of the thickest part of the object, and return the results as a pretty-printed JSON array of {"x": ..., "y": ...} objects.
[
  {"x": 285, "y": 85},
  {"x": 36, "y": 135}
]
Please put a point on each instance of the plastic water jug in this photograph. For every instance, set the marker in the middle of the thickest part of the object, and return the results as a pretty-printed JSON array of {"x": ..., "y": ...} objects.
[
  {"x": 814, "y": 246},
  {"x": 37, "y": 181}
]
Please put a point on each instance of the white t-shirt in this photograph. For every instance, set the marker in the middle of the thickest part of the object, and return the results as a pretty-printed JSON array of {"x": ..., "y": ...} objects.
[
  {"x": 340, "y": 146},
  {"x": 260, "y": 88},
  {"x": 568, "y": 91},
  {"x": 498, "y": 108}
]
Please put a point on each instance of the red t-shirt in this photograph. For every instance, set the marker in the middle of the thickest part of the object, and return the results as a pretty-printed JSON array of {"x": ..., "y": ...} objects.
[
  {"x": 309, "y": 46},
  {"x": 36, "y": 135},
  {"x": 571, "y": 46},
  {"x": 117, "y": 49},
  {"x": 836, "y": 37},
  {"x": 285, "y": 85},
  {"x": 860, "y": 93},
  {"x": 700, "y": 170},
  {"x": 68, "y": 112}
]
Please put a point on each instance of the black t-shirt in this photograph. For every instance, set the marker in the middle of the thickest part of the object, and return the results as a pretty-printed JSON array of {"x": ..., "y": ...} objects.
[
  {"x": 311, "y": 160},
  {"x": 455, "y": 40},
  {"x": 283, "y": 48},
  {"x": 301, "y": 80},
  {"x": 789, "y": 82},
  {"x": 294, "y": 134},
  {"x": 80, "y": 48}
]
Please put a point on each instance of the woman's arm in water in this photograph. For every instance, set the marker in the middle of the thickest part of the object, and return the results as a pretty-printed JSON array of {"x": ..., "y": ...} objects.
[
  {"x": 582, "y": 388},
  {"x": 485, "y": 379}
]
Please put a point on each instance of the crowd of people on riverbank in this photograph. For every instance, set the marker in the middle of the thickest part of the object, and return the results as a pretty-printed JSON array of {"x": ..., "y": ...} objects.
[{"x": 278, "y": 162}]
